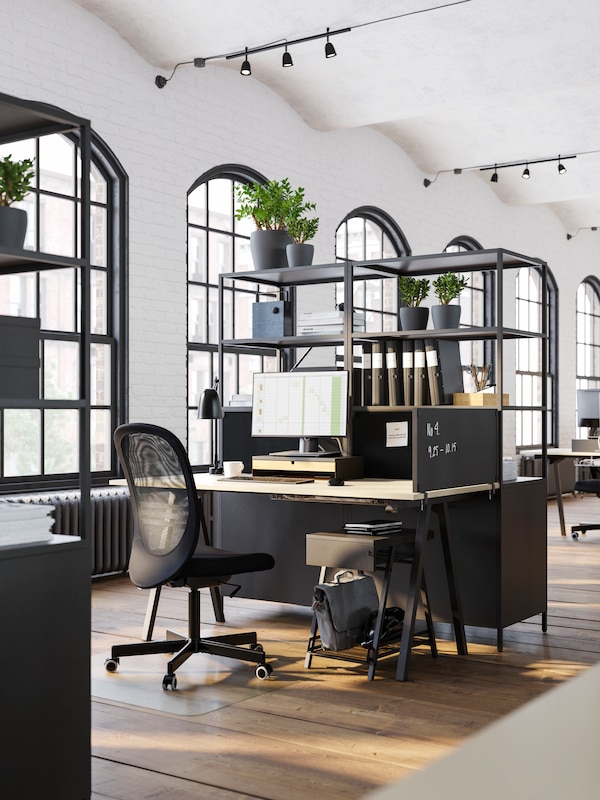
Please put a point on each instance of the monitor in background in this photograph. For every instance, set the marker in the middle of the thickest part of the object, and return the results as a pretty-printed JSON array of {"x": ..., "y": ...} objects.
[
  {"x": 588, "y": 409},
  {"x": 307, "y": 405}
]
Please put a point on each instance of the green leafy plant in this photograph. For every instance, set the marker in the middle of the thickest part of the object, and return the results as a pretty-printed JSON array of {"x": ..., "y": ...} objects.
[
  {"x": 16, "y": 178},
  {"x": 303, "y": 229},
  {"x": 413, "y": 290},
  {"x": 273, "y": 205},
  {"x": 448, "y": 286}
]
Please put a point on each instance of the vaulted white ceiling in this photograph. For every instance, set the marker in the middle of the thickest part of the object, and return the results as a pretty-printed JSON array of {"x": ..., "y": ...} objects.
[{"x": 456, "y": 84}]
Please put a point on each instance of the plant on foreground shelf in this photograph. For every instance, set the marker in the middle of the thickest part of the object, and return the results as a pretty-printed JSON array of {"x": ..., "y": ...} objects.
[
  {"x": 273, "y": 205},
  {"x": 413, "y": 290},
  {"x": 448, "y": 286},
  {"x": 16, "y": 178}
]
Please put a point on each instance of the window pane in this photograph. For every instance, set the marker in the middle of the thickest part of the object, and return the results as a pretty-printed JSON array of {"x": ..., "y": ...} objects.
[
  {"x": 61, "y": 370},
  {"x": 101, "y": 373},
  {"x": 22, "y": 441},
  {"x": 199, "y": 439},
  {"x": 57, "y": 301},
  {"x": 98, "y": 234},
  {"x": 101, "y": 440},
  {"x": 243, "y": 257},
  {"x": 18, "y": 295},
  {"x": 197, "y": 206},
  {"x": 220, "y": 256},
  {"x": 220, "y": 204},
  {"x": 199, "y": 375},
  {"x": 61, "y": 441},
  {"x": 57, "y": 226},
  {"x": 98, "y": 188},
  {"x": 196, "y": 313},
  {"x": 197, "y": 255},
  {"x": 56, "y": 165},
  {"x": 98, "y": 301}
]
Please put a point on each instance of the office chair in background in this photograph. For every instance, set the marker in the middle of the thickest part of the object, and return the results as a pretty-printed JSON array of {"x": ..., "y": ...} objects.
[
  {"x": 168, "y": 516},
  {"x": 588, "y": 486}
]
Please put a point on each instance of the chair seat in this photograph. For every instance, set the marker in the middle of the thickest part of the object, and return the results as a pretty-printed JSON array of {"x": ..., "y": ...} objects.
[
  {"x": 588, "y": 486},
  {"x": 208, "y": 562}
]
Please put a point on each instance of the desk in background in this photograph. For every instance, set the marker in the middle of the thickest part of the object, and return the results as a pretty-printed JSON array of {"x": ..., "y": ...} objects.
[{"x": 555, "y": 455}]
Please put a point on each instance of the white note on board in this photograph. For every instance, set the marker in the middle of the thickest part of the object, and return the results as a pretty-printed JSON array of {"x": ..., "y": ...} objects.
[{"x": 396, "y": 434}]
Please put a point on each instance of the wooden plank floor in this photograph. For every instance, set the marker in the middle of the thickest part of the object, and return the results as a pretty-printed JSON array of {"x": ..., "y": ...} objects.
[{"x": 327, "y": 733}]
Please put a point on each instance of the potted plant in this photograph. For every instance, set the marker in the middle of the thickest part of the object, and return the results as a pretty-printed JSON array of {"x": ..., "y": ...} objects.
[
  {"x": 301, "y": 229},
  {"x": 272, "y": 206},
  {"x": 412, "y": 293},
  {"x": 447, "y": 287},
  {"x": 16, "y": 178}
]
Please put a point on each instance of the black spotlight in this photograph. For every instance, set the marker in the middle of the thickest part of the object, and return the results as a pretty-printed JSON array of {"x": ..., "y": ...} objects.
[
  {"x": 561, "y": 167},
  {"x": 329, "y": 48},
  {"x": 160, "y": 81},
  {"x": 526, "y": 174},
  {"x": 246, "y": 68},
  {"x": 286, "y": 60},
  {"x": 494, "y": 178}
]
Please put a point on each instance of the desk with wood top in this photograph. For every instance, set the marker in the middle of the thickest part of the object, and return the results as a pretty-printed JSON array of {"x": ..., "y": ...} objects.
[
  {"x": 367, "y": 493},
  {"x": 555, "y": 455}
]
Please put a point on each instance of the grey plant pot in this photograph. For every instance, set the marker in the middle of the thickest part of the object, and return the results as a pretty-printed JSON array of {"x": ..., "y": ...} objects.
[
  {"x": 300, "y": 255},
  {"x": 445, "y": 316},
  {"x": 13, "y": 227},
  {"x": 414, "y": 319},
  {"x": 268, "y": 249}
]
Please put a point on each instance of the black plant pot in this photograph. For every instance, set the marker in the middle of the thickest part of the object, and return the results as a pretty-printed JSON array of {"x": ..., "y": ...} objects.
[
  {"x": 445, "y": 316},
  {"x": 13, "y": 227},
  {"x": 300, "y": 255},
  {"x": 414, "y": 319},
  {"x": 268, "y": 249}
]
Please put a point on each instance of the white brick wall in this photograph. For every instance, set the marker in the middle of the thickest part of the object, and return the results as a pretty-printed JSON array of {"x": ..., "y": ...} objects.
[{"x": 58, "y": 53}]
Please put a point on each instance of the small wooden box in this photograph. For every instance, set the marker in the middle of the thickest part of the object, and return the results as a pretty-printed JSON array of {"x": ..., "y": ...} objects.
[{"x": 480, "y": 399}]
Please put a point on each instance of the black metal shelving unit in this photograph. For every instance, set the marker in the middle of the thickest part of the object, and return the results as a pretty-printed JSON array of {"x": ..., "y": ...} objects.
[{"x": 45, "y": 588}]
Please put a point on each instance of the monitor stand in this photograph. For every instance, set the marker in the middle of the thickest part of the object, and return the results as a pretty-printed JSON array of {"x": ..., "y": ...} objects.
[{"x": 308, "y": 447}]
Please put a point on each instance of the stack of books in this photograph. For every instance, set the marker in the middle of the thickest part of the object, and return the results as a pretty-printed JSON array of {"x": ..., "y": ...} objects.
[
  {"x": 24, "y": 523},
  {"x": 374, "y": 527},
  {"x": 312, "y": 323},
  {"x": 241, "y": 400}
]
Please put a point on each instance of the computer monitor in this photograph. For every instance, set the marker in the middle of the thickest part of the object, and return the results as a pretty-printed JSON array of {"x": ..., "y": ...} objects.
[
  {"x": 309, "y": 405},
  {"x": 588, "y": 408}
]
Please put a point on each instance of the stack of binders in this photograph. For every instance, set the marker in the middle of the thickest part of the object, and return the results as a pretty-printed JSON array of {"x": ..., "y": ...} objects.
[{"x": 411, "y": 372}]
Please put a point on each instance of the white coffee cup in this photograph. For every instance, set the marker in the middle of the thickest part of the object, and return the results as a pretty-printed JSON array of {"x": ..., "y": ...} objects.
[{"x": 231, "y": 469}]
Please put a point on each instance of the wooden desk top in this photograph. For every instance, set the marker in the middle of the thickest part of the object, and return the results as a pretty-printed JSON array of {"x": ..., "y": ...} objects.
[
  {"x": 563, "y": 452},
  {"x": 359, "y": 489}
]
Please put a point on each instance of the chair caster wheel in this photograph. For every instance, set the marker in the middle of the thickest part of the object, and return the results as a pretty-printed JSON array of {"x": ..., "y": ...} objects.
[
  {"x": 111, "y": 664},
  {"x": 574, "y": 535},
  {"x": 169, "y": 683},
  {"x": 258, "y": 648},
  {"x": 263, "y": 671}
]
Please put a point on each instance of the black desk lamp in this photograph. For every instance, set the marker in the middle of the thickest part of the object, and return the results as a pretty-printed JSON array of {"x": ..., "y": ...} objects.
[{"x": 210, "y": 407}]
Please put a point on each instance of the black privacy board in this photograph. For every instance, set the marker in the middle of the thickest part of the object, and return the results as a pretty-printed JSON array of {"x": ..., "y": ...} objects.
[{"x": 446, "y": 446}]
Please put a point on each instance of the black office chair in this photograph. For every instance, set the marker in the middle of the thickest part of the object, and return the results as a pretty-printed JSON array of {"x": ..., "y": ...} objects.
[
  {"x": 588, "y": 486},
  {"x": 168, "y": 517}
]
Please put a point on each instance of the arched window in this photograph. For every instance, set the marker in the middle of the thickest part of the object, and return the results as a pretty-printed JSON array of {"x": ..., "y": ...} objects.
[
  {"x": 476, "y": 304},
  {"x": 588, "y": 336},
  {"x": 40, "y": 446},
  {"x": 217, "y": 244},
  {"x": 529, "y": 317},
  {"x": 364, "y": 234}
]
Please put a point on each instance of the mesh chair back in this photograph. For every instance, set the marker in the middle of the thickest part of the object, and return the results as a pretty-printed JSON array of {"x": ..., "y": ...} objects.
[{"x": 164, "y": 503}]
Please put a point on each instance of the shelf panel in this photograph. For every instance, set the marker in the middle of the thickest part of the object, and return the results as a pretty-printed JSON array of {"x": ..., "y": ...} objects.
[
  {"x": 286, "y": 341},
  {"x": 460, "y": 334},
  {"x": 12, "y": 261},
  {"x": 472, "y": 261}
]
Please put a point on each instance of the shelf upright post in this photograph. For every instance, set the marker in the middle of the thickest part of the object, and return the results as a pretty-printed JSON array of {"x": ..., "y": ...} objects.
[
  {"x": 499, "y": 353},
  {"x": 348, "y": 342},
  {"x": 85, "y": 340}
]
